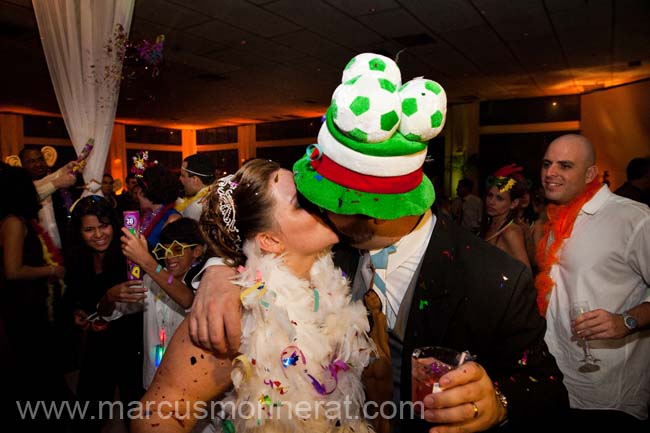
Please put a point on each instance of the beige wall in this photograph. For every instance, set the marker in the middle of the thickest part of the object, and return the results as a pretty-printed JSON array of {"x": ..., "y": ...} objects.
[{"x": 617, "y": 121}]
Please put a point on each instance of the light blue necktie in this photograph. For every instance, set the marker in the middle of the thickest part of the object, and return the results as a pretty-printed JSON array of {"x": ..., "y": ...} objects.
[{"x": 379, "y": 260}]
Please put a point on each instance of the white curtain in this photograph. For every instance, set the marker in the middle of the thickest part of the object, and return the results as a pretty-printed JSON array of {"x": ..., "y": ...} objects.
[{"x": 83, "y": 42}]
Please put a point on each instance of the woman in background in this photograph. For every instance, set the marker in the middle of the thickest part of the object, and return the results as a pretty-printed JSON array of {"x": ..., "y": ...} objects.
[
  {"x": 501, "y": 203},
  {"x": 96, "y": 280},
  {"x": 23, "y": 301},
  {"x": 157, "y": 196}
]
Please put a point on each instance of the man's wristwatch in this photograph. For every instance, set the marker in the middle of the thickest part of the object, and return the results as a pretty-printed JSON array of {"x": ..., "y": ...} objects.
[{"x": 630, "y": 322}]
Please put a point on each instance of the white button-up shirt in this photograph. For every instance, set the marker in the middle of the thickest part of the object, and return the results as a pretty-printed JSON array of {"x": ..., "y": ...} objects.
[{"x": 605, "y": 261}]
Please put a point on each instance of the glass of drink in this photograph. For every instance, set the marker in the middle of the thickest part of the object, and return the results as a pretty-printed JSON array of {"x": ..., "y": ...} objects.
[{"x": 428, "y": 365}]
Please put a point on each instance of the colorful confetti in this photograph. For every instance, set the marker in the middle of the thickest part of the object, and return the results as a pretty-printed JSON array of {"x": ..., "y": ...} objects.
[{"x": 423, "y": 303}]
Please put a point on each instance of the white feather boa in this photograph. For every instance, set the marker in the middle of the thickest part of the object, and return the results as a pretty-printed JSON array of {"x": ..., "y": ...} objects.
[{"x": 317, "y": 324}]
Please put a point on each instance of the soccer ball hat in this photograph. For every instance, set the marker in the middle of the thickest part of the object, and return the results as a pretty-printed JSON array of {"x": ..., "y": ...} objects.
[{"x": 370, "y": 149}]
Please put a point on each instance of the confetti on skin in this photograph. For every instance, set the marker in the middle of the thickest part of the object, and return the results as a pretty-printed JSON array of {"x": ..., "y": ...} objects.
[
  {"x": 253, "y": 361},
  {"x": 423, "y": 303},
  {"x": 192, "y": 360}
]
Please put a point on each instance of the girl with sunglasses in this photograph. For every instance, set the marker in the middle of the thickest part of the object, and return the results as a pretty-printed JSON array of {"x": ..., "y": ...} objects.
[{"x": 167, "y": 281}]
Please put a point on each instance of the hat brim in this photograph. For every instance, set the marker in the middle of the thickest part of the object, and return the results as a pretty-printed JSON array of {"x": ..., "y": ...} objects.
[{"x": 346, "y": 201}]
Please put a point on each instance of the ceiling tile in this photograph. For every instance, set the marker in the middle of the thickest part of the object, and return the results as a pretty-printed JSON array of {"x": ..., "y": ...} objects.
[
  {"x": 393, "y": 23},
  {"x": 167, "y": 14},
  {"x": 444, "y": 16},
  {"x": 479, "y": 44},
  {"x": 309, "y": 43},
  {"x": 327, "y": 21},
  {"x": 252, "y": 18},
  {"x": 174, "y": 39},
  {"x": 363, "y": 7}
]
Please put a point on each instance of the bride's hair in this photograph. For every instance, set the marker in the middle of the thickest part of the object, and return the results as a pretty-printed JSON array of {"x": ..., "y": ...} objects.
[{"x": 238, "y": 208}]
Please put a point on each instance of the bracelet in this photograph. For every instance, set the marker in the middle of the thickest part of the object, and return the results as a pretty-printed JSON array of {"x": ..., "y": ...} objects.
[
  {"x": 158, "y": 268},
  {"x": 170, "y": 280}
]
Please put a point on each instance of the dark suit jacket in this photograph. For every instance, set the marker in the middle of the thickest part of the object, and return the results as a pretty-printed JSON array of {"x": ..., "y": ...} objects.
[{"x": 472, "y": 296}]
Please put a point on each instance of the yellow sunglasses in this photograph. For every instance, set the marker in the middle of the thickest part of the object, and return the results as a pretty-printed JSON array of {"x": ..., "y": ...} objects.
[{"x": 176, "y": 249}]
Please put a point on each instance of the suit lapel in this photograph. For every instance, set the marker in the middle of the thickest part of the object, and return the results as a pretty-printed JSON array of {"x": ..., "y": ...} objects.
[{"x": 435, "y": 301}]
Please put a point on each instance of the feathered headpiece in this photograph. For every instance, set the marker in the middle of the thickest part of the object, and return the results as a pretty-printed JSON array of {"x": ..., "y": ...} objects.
[{"x": 506, "y": 177}]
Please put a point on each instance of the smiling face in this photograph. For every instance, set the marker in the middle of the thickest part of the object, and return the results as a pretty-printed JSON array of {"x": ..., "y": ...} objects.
[
  {"x": 96, "y": 234},
  {"x": 178, "y": 266},
  {"x": 301, "y": 233},
  {"x": 498, "y": 203},
  {"x": 567, "y": 168},
  {"x": 34, "y": 162}
]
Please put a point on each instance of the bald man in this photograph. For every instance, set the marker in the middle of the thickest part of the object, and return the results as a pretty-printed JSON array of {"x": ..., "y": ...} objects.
[{"x": 597, "y": 250}]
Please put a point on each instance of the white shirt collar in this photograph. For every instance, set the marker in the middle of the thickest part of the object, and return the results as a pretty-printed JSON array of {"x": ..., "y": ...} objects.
[
  {"x": 411, "y": 244},
  {"x": 597, "y": 201}
]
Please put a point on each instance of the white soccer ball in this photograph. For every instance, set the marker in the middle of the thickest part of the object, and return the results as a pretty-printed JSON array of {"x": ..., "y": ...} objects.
[
  {"x": 373, "y": 64},
  {"x": 366, "y": 108},
  {"x": 423, "y": 109}
]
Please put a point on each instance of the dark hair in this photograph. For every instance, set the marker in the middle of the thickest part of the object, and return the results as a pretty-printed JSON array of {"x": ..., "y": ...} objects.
[
  {"x": 19, "y": 196},
  {"x": 99, "y": 207},
  {"x": 467, "y": 183},
  {"x": 159, "y": 185},
  {"x": 78, "y": 255},
  {"x": 515, "y": 191},
  {"x": 129, "y": 175},
  {"x": 184, "y": 230},
  {"x": 253, "y": 204},
  {"x": 108, "y": 175},
  {"x": 638, "y": 168},
  {"x": 201, "y": 166},
  {"x": 21, "y": 153}
]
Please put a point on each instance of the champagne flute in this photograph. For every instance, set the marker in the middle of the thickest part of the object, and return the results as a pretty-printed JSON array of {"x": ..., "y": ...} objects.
[{"x": 589, "y": 362}]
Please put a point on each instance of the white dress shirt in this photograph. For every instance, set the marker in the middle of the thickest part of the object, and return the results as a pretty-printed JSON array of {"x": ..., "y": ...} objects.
[{"x": 606, "y": 262}]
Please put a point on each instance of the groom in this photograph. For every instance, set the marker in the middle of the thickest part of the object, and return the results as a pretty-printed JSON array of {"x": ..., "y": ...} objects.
[{"x": 436, "y": 285}]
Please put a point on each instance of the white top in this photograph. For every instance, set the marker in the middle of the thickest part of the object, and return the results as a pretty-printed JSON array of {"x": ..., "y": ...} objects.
[
  {"x": 195, "y": 208},
  {"x": 402, "y": 265},
  {"x": 45, "y": 189},
  {"x": 605, "y": 262},
  {"x": 160, "y": 311}
]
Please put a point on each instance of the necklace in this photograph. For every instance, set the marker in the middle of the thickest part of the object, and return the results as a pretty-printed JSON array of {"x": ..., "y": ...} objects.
[{"x": 501, "y": 230}]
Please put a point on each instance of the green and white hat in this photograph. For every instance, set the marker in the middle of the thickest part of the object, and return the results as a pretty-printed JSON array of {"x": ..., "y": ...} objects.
[{"x": 370, "y": 150}]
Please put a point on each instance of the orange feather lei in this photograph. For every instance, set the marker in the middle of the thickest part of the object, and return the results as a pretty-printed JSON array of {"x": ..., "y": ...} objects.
[{"x": 560, "y": 222}]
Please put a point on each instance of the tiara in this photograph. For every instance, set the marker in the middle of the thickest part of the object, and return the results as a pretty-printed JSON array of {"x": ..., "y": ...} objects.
[{"x": 225, "y": 188}]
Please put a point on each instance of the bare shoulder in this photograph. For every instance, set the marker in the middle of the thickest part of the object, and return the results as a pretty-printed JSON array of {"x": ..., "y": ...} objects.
[{"x": 13, "y": 224}]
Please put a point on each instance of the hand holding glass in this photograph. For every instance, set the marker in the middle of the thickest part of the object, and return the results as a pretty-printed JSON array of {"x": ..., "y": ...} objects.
[
  {"x": 589, "y": 362},
  {"x": 428, "y": 365}
]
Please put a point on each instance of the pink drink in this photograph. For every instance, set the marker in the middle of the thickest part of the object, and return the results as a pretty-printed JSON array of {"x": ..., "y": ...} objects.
[
  {"x": 425, "y": 374},
  {"x": 132, "y": 223}
]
